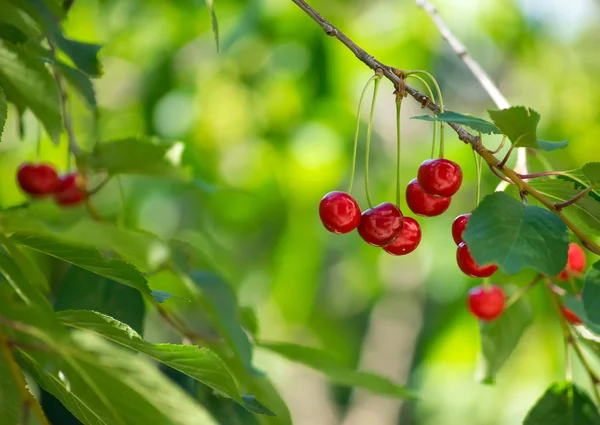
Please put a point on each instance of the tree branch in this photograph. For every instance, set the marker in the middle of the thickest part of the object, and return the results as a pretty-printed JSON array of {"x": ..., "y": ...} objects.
[
  {"x": 392, "y": 74},
  {"x": 477, "y": 70}
]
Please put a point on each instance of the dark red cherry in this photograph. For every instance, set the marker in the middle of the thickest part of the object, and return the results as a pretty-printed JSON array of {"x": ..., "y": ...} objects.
[
  {"x": 381, "y": 225},
  {"x": 339, "y": 212},
  {"x": 458, "y": 227},
  {"x": 423, "y": 204},
  {"x": 575, "y": 262},
  {"x": 468, "y": 265},
  {"x": 37, "y": 179},
  {"x": 487, "y": 303},
  {"x": 408, "y": 239},
  {"x": 68, "y": 192},
  {"x": 440, "y": 177}
]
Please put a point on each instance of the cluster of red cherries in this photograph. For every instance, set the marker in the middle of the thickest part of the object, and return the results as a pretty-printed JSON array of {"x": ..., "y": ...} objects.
[
  {"x": 430, "y": 195},
  {"x": 42, "y": 180},
  {"x": 385, "y": 226}
]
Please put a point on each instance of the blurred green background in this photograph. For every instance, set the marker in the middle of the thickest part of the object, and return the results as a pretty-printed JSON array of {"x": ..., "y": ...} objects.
[{"x": 268, "y": 124}]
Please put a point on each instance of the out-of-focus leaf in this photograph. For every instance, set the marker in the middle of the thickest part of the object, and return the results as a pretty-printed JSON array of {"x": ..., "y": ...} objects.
[
  {"x": 12, "y": 388},
  {"x": 86, "y": 258},
  {"x": 152, "y": 157},
  {"x": 15, "y": 16},
  {"x": 27, "y": 266},
  {"x": 520, "y": 125},
  {"x": 83, "y": 290},
  {"x": 591, "y": 294},
  {"x": 198, "y": 363},
  {"x": 336, "y": 371},
  {"x": 210, "y": 4},
  {"x": 477, "y": 124},
  {"x": 249, "y": 320},
  {"x": 83, "y": 55},
  {"x": 28, "y": 84},
  {"x": 575, "y": 304},
  {"x": 563, "y": 403},
  {"x": 500, "y": 337},
  {"x": 514, "y": 236},
  {"x": 80, "y": 82},
  {"x": 101, "y": 384}
]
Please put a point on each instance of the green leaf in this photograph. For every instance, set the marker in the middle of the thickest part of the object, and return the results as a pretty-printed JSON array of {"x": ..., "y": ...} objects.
[
  {"x": 219, "y": 301},
  {"x": 336, "y": 371},
  {"x": 520, "y": 123},
  {"x": 80, "y": 82},
  {"x": 3, "y": 111},
  {"x": 587, "y": 209},
  {"x": 14, "y": 16},
  {"x": 86, "y": 258},
  {"x": 249, "y": 320},
  {"x": 500, "y": 337},
  {"x": 514, "y": 236},
  {"x": 161, "y": 296},
  {"x": 198, "y": 363},
  {"x": 152, "y": 157},
  {"x": 563, "y": 403},
  {"x": 575, "y": 304},
  {"x": 591, "y": 294},
  {"x": 84, "y": 290},
  {"x": 210, "y": 4},
  {"x": 12, "y": 388},
  {"x": 101, "y": 384},
  {"x": 254, "y": 406},
  {"x": 588, "y": 175},
  {"x": 27, "y": 266},
  {"x": 477, "y": 124},
  {"x": 28, "y": 84},
  {"x": 83, "y": 55}
]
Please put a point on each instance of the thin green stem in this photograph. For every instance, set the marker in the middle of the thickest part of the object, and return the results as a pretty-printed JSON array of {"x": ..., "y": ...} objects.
[
  {"x": 368, "y": 147},
  {"x": 360, "y": 101},
  {"x": 398, "y": 148},
  {"x": 432, "y": 97},
  {"x": 478, "y": 167},
  {"x": 522, "y": 291},
  {"x": 441, "y": 99}
]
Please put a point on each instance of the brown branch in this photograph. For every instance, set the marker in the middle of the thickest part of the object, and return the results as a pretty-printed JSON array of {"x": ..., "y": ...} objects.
[{"x": 391, "y": 74}]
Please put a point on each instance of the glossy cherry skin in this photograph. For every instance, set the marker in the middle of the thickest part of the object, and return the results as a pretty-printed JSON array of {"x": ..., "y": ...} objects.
[
  {"x": 68, "y": 192},
  {"x": 440, "y": 177},
  {"x": 486, "y": 303},
  {"x": 423, "y": 204},
  {"x": 571, "y": 316},
  {"x": 339, "y": 212},
  {"x": 468, "y": 265},
  {"x": 458, "y": 227},
  {"x": 575, "y": 262},
  {"x": 408, "y": 239},
  {"x": 37, "y": 179},
  {"x": 381, "y": 225}
]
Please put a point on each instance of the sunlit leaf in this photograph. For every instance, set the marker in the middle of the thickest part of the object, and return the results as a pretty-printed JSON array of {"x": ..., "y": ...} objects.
[
  {"x": 210, "y": 4},
  {"x": 477, "y": 124},
  {"x": 515, "y": 236}
]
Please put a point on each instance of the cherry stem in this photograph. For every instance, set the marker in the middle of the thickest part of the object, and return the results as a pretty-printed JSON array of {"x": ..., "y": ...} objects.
[
  {"x": 368, "y": 147},
  {"x": 542, "y": 174},
  {"x": 439, "y": 93},
  {"x": 500, "y": 176},
  {"x": 486, "y": 284},
  {"x": 432, "y": 97},
  {"x": 522, "y": 291},
  {"x": 360, "y": 101},
  {"x": 559, "y": 206},
  {"x": 503, "y": 162},
  {"x": 500, "y": 146},
  {"x": 478, "y": 167},
  {"x": 570, "y": 338},
  {"x": 398, "y": 148}
]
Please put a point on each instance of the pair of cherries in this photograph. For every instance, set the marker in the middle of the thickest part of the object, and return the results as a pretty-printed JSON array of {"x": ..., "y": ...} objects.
[
  {"x": 382, "y": 226},
  {"x": 42, "y": 180},
  {"x": 465, "y": 260},
  {"x": 489, "y": 303}
]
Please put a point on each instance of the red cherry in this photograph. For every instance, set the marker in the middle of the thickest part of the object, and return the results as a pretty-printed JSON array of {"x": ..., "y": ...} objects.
[
  {"x": 381, "y": 225},
  {"x": 458, "y": 227},
  {"x": 440, "y": 177},
  {"x": 423, "y": 204},
  {"x": 487, "y": 304},
  {"x": 408, "y": 239},
  {"x": 339, "y": 212},
  {"x": 37, "y": 180},
  {"x": 468, "y": 265},
  {"x": 68, "y": 192},
  {"x": 575, "y": 262},
  {"x": 571, "y": 316}
]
